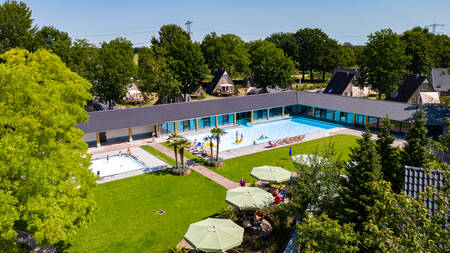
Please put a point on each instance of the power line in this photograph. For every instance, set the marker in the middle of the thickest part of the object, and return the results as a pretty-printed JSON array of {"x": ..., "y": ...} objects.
[
  {"x": 188, "y": 26},
  {"x": 116, "y": 34},
  {"x": 434, "y": 25}
]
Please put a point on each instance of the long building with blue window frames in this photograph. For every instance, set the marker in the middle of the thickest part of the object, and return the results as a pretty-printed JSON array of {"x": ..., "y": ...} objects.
[{"x": 133, "y": 123}]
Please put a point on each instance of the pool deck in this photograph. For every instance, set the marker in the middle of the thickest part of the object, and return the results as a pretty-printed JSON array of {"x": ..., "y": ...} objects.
[{"x": 150, "y": 162}]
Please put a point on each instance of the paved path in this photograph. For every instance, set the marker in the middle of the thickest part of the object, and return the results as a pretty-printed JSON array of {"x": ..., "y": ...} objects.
[{"x": 223, "y": 181}]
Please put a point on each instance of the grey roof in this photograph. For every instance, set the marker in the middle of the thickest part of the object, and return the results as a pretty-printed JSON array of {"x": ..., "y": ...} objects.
[
  {"x": 143, "y": 116},
  {"x": 440, "y": 79},
  {"x": 149, "y": 115},
  {"x": 416, "y": 179},
  {"x": 371, "y": 107}
]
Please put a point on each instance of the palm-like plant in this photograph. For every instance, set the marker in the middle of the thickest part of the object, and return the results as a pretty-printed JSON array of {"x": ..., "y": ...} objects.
[
  {"x": 209, "y": 138},
  {"x": 174, "y": 139},
  {"x": 217, "y": 133},
  {"x": 182, "y": 145}
]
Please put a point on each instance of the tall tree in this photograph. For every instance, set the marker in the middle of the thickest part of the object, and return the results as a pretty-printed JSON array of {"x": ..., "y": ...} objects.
[
  {"x": 54, "y": 40},
  {"x": 319, "y": 233},
  {"x": 84, "y": 59},
  {"x": 312, "y": 44},
  {"x": 383, "y": 62},
  {"x": 154, "y": 73},
  {"x": 16, "y": 26},
  {"x": 418, "y": 48},
  {"x": 317, "y": 182},
  {"x": 440, "y": 50},
  {"x": 348, "y": 55},
  {"x": 398, "y": 223},
  {"x": 217, "y": 133},
  {"x": 271, "y": 67},
  {"x": 45, "y": 183},
  {"x": 417, "y": 150},
  {"x": 226, "y": 51},
  {"x": 390, "y": 156},
  {"x": 364, "y": 167},
  {"x": 285, "y": 41},
  {"x": 175, "y": 140},
  {"x": 116, "y": 67},
  {"x": 185, "y": 57},
  {"x": 331, "y": 57}
]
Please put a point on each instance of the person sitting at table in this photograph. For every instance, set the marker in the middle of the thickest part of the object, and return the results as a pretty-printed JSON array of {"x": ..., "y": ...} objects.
[{"x": 277, "y": 199}]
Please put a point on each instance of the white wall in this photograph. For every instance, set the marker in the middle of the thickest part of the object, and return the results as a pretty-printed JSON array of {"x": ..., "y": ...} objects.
[
  {"x": 117, "y": 133},
  {"x": 90, "y": 137},
  {"x": 144, "y": 129}
]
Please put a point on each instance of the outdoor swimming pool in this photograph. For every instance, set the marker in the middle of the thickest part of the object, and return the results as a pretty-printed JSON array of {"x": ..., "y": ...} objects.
[
  {"x": 115, "y": 165},
  {"x": 273, "y": 130}
]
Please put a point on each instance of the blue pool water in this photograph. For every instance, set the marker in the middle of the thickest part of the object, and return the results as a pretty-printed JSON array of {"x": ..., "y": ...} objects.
[
  {"x": 114, "y": 165},
  {"x": 274, "y": 130}
]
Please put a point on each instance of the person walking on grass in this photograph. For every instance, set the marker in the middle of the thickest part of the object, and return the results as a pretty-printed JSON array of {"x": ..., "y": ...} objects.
[
  {"x": 290, "y": 151},
  {"x": 242, "y": 182}
]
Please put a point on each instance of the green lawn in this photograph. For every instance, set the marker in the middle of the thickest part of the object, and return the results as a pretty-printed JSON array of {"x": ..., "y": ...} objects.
[
  {"x": 241, "y": 166},
  {"x": 160, "y": 155},
  {"x": 126, "y": 219}
]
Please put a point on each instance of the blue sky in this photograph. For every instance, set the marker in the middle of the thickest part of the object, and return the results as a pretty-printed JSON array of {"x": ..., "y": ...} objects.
[{"x": 344, "y": 20}]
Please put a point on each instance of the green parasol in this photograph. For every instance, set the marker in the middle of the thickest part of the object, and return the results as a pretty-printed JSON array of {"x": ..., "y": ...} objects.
[
  {"x": 214, "y": 235},
  {"x": 271, "y": 174},
  {"x": 249, "y": 198}
]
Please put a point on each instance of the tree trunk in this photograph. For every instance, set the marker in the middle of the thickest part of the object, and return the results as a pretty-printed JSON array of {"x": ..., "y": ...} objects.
[
  {"x": 182, "y": 158},
  {"x": 211, "y": 146},
  {"x": 185, "y": 97},
  {"x": 323, "y": 76},
  {"x": 217, "y": 148},
  {"x": 176, "y": 154},
  {"x": 312, "y": 76},
  {"x": 379, "y": 95},
  {"x": 303, "y": 75}
]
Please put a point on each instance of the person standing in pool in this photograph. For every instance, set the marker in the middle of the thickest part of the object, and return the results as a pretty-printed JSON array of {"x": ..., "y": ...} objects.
[{"x": 107, "y": 157}]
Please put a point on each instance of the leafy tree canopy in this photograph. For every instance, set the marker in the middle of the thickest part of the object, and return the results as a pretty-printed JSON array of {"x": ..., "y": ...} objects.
[
  {"x": 383, "y": 62},
  {"x": 54, "y": 40},
  {"x": 323, "y": 234},
  {"x": 398, "y": 223},
  {"x": 271, "y": 67},
  {"x": 83, "y": 59},
  {"x": 226, "y": 51},
  {"x": 185, "y": 57},
  {"x": 418, "y": 48},
  {"x": 317, "y": 182},
  {"x": 16, "y": 26},
  {"x": 116, "y": 67},
  {"x": 45, "y": 182},
  {"x": 155, "y": 74}
]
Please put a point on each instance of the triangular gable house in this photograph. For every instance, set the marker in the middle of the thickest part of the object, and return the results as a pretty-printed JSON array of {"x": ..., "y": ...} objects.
[
  {"x": 410, "y": 89},
  {"x": 343, "y": 83},
  {"x": 221, "y": 84}
]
